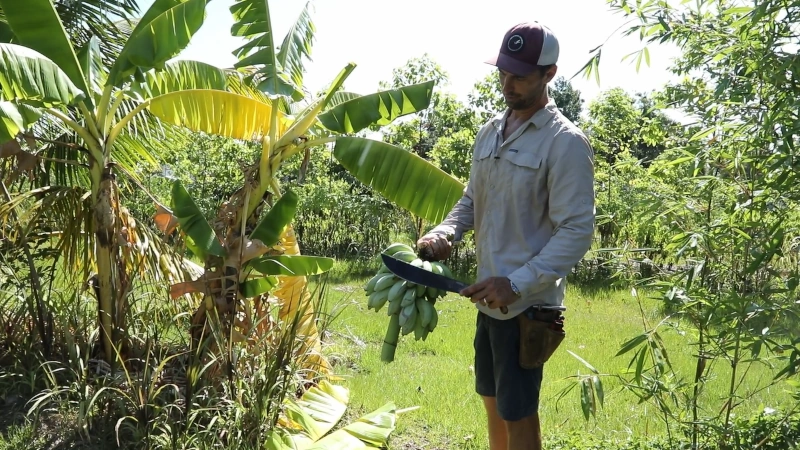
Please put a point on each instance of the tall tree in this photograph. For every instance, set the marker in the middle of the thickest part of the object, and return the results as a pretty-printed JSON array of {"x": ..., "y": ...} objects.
[{"x": 567, "y": 98}]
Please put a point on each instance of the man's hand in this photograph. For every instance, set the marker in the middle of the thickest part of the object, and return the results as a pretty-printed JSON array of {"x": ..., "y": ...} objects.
[
  {"x": 435, "y": 247},
  {"x": 494, "y": 292}
]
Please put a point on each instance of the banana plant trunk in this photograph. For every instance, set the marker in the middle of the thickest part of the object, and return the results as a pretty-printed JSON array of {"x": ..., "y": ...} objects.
[{"x": 110, "y": 270}]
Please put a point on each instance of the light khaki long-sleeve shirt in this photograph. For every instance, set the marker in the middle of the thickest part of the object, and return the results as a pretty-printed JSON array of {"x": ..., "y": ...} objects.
[{"x": 530, "y": 201}]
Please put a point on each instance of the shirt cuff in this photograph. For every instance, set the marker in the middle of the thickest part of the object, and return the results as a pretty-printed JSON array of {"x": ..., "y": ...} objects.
[
  {"x": 522, "y": 280},
  {"x": 444, "y": 230}
]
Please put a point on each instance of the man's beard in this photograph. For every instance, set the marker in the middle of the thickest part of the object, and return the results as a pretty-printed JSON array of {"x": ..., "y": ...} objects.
[{"x": 518, "y": 102}]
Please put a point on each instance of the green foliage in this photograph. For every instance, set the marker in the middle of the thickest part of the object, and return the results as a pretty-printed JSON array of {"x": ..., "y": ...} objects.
[
  {"x": 415, "y": 71},
  {"x": 154, "y": 401},
  {"x": 727, "y": 200},
  {"x": 486, "y": 97},
  {"x": 567, "y": 98},
  {"x": 209, "y": 166}
]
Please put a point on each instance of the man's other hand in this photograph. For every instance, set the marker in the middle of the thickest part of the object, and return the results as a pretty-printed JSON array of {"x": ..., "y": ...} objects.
[
  {"x": 435, "y": 247},
  {"x": 494, "y": 292}
]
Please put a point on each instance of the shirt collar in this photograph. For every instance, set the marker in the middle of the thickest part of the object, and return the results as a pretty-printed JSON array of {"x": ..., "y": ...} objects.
[{"x": 539, "y": 119}]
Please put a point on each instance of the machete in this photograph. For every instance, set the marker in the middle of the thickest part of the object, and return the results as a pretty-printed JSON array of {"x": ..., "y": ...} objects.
[{"x": 421, "y": 276}]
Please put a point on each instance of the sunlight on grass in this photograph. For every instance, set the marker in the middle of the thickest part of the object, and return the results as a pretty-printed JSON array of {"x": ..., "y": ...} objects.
[{"x": 437, "y": 376}]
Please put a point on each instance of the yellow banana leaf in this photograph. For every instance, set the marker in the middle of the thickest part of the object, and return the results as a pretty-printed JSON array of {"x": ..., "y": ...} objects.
[
  {"x": 217, "y": 112},
  {"x": 294, "y": 296},
  {"x": 309, "y": 420}
]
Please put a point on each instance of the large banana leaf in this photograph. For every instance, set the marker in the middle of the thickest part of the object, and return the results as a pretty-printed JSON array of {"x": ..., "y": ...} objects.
[
  {"x": 36, "y": 25},
  {"x": 200, "y": 237},
  {"x": 296, "y": 45},
  {"x": 380, "y": 108},
  {"x": 163, "y": 32},
  {"x": 216, "y": 112},
  {"x": 371, "y": 431},
  {"x": 310, "y": 418},
  {"x": 91, "y": 60},
  {"x": 15, "y": 118},
  {"x": 252, "y": 21},
  {"x": 401, "y": 176},
  {"x": 270, "y": 226},
  {"x": 27, "y": 75},
  {"x": 182, "y": 75},
  {"x": 292, "y": 265},
  {"x": 11, "y": 121},
  {"x": 257, "y": 286},
  {"x": 340, "y": 97}
]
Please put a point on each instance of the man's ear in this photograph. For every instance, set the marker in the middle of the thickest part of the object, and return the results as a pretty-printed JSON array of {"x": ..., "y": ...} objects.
[{"x": 551, "y": 73}]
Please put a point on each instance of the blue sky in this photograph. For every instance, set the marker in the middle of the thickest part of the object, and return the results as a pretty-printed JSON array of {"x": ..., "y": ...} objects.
[{"x": 379, "y": 35}]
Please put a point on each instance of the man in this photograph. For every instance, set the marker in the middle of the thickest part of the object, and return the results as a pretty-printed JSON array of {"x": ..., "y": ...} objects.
[{"x": 530, "y": 201}]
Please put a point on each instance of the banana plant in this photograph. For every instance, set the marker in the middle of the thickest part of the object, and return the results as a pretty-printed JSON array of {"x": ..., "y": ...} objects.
[
  {"x": 47, "y": 85},
  {"x": 285, "y": 123}
]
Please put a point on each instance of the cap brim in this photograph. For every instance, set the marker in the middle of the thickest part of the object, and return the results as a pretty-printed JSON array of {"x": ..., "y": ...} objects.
[{"x": 511, "y": 65}]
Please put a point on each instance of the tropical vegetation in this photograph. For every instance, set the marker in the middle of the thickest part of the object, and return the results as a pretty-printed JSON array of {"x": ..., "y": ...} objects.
[{"x": 154, "y": 293}]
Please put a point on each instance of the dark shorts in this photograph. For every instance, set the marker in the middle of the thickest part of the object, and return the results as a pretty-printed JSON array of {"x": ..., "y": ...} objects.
[{"x": 497, "y": 370}]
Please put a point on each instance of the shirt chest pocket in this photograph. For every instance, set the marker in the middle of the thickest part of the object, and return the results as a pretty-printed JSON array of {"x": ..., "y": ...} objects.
[
  {"x": 531, "y": 161},
  {"x": 526, "y": 174}
]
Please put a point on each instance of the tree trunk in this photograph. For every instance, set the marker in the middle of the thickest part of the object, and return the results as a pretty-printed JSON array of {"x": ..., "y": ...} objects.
[{"x": 106, "y": 246}]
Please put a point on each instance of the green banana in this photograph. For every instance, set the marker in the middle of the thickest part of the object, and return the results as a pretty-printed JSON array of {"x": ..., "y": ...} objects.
[
  {"x": 408, "y": 313},
  {"x": 419, "y": 330},
  {"x": 385, "y": 282},
  {"x": 445, "y": 270},
  {"x": 397, "y": 247},
  {"x": 380, "y": 301},
  {"x": 409, "y": 323},
  {"x": 405, "y": 256},
  {"x": 397, "y": 290},
  {"x": 408, "y": 297},
  {"x": 370, "y": 287},
  {"x": 431, "y": 292},
  {"x": 394, "y": 307},
  {"x": 420, "y": 290},
  {"x": 377, "y": 299},
  {"x": 384, "y": 269},
  {"x": 427, "y": 265},
  {"x": 424, "y": 312},
  {"x": 434, "y": 320},
  {"x": 416, "y": 263}
]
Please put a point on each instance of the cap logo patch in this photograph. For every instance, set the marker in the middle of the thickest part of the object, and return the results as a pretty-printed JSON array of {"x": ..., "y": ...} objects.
[{"x": 515, "y": 43}]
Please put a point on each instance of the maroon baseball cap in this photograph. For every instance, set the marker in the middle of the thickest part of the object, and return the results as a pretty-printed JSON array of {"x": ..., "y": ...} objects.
[{"x": 526, "y": 46}]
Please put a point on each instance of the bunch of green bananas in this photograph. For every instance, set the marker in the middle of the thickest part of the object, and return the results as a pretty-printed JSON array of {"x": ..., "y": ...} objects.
[{"x": 410, "y": 306}]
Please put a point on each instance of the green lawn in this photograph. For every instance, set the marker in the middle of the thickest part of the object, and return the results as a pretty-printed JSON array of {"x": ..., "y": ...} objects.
[{"x": 437, "y": 375}]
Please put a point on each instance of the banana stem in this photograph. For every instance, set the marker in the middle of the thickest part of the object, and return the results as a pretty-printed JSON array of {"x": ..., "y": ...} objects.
[
  {"x": 90, "y": 122},
  {"x": 117, "y": 129},
  {"x": 102, "y": 107},
  {"x": 391, "y": 339},
  {"x": 112, "y": 111},
  {"x": 91, "y": 143},
  {"x": 309, "y": 144}
]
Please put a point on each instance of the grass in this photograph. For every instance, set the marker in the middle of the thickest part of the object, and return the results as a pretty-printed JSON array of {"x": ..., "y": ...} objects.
[
  {"x": 434, "y": 379},
  {"x": 437, "y": 375}
]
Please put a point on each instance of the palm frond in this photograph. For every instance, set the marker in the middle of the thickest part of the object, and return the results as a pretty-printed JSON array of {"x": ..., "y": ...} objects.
[
  {"x": 62, "y": 213},
  {"x": 110, "y": 20}
]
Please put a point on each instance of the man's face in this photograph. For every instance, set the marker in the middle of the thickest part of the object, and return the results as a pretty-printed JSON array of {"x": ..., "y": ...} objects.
[{"x": 523, "y": 92}]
